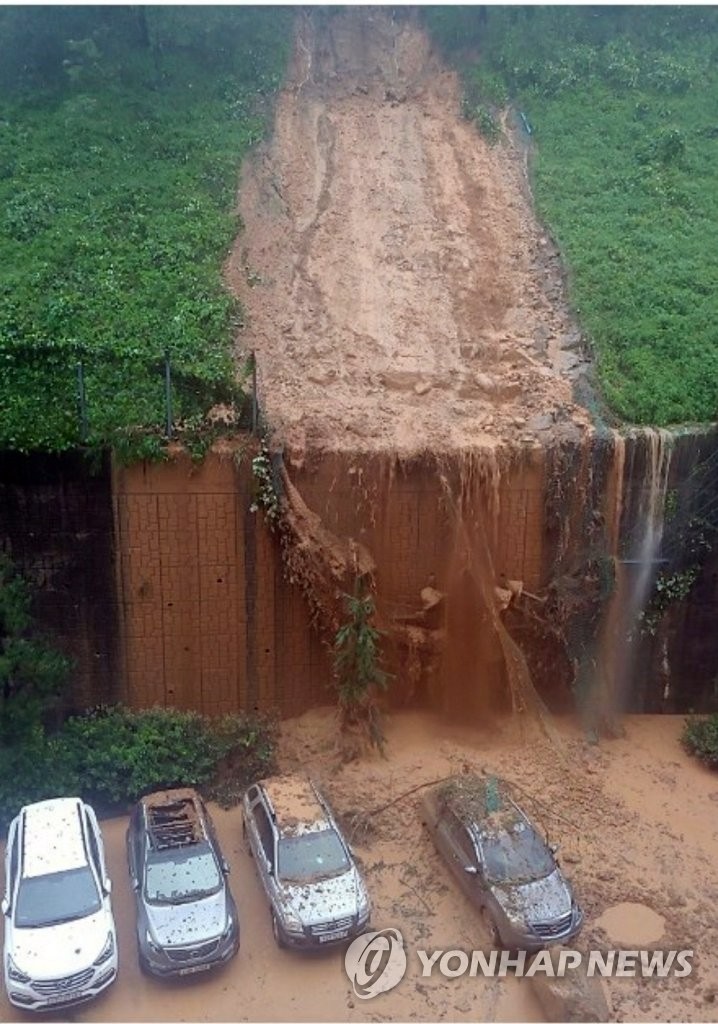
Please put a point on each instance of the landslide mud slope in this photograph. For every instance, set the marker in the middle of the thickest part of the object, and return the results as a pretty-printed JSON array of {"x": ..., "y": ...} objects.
[{"x": 400, "y": 294}]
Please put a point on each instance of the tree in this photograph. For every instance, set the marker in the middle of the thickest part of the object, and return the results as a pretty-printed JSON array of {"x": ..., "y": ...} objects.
[
  {"x": 31, "y": 672},
  {"x": 357, "y": 668}
]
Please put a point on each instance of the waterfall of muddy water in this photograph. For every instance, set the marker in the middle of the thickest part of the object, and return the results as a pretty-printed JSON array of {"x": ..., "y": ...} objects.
[
  {"x": 483, "y": 670},
  {"x": 619, "y": 641}
]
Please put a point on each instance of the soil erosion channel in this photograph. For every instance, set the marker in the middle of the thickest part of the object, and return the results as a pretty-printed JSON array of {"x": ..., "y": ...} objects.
[{"x": 400, "y": 294}]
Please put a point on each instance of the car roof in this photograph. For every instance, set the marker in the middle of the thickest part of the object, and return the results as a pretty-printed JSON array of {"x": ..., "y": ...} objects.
[
  {"x": 174, "y": 818},
  {"x": 53, "y": 839},
  {"x": 296, "y": 805},
  {"x": 483, "y": 803}
]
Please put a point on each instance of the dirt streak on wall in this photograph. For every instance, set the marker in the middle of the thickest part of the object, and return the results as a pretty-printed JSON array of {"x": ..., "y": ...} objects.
[
  {"x": 165, "y": 587},
  {"x": 207, "y": 619}
]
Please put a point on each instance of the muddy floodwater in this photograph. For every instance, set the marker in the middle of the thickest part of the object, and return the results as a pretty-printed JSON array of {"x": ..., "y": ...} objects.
[{"x": 639, "y": 827}]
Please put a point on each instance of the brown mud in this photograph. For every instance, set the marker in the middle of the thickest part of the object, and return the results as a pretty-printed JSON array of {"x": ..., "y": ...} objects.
[
  {"x": 633, "y": 827},
  {"x": 400, "y": 294}
]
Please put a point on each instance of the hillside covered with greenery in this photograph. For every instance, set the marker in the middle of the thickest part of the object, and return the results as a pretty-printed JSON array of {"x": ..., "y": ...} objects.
[
  {"x": 122, "y": 133},
  {"x": 622, "y": 103}
]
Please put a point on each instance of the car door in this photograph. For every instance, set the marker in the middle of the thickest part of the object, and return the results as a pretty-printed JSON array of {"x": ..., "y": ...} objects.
[
  {"x": 97, "y": 851},
  {"x": 449, "y": 839},
  {"x": 261, "y": 838},
  {"x": 11, "y": 873},
  {"x": 135, "y": 845},
  {"x": 469, "y": 867}
]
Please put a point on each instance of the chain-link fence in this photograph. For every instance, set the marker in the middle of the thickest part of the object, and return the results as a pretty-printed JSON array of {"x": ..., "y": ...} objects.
[{"x": 59, "y": 397}]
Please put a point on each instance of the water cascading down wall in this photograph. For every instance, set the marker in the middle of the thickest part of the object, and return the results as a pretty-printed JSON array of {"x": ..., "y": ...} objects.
[{"x": 166, "y": 587}]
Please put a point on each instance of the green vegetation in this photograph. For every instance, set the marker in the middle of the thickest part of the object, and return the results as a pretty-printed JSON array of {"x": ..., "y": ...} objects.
[
  {"x": 32, "y": 673},
  {"x": 113, "y": 755},
  {"x": 357, "y": 667},
  {"x": 110, "y": 755},
  {"x": 266, "y": 496},
  {"x": 700, "y": 737},
  {"x": 122, "y": 134},
  {"x": 622, "y": 106}
]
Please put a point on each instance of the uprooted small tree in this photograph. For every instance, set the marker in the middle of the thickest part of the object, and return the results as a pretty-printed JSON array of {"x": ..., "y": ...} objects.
[{"x": 358, "y": 671}]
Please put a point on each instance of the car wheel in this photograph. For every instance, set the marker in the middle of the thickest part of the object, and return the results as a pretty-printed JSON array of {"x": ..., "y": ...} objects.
[
  {"x": 491, "y": 928},
  {"x": 277, "y": 932}
]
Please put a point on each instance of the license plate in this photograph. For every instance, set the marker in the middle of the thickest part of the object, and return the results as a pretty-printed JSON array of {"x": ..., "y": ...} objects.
[
  {"x": 62, "y": 997},
  {"x": 333, "y": 936},
  {"x": 195, "y": 969}
]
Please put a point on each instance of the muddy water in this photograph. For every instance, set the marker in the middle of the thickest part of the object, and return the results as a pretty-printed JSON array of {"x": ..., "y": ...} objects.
[
  {"x": 265, "y": 983},
  {"x": 632, "y": 924},
  {"x": 636, "y": 824},
  {"x": 634, "y": 818}
]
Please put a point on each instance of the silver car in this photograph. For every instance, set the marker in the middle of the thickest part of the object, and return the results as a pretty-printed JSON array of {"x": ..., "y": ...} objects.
[
  {"x": 186, "y": 917},
  {"x": 507, "y": 870},
  {"x": 316, "y": 895}
]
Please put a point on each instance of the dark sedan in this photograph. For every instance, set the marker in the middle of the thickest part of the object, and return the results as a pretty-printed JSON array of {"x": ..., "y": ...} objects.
[{"x": 505, "y": 867}]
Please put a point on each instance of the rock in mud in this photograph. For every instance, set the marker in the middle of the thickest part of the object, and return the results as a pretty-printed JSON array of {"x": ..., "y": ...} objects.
[
  {"x": 541, "y": 421},
  {"x": 571, "y": 340},
  {"x": 485, "y": 383},
  {"x": 575, "y": 997}
]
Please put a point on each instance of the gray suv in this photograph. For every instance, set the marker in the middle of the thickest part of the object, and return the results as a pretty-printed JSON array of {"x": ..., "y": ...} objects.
[
  {"x": 186, "y": 917},
  {"x": 316, "y": 895},
  {"x": 507, "y": 870}
]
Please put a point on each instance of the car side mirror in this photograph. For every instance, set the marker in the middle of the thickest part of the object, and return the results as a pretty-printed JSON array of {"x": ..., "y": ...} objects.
[
  {"x": 554, "y": 848},
  {"x": 471, "y": 869},
  {"x": 107, "y": 886},
  {"x": 5, "y": 906},
  {"x": 136, "y": 884},
  {"x": 225, "y": 867}
]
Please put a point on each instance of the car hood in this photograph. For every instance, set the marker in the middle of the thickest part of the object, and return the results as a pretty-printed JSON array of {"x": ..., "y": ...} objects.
[
  {"x": 324, "y": 900},
  {"x": 185, "y": 924},
  {"x": 544, "y": 899},
  {"x": 60, "y": 949}
]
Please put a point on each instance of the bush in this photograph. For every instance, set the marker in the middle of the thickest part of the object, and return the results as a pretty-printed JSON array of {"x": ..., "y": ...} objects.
[
  {"x": 32, "y": 673},
  {"x": 113, "y": 755},
  {"x": 700, "y": 737},
  {"x": 36, "y": 769}
]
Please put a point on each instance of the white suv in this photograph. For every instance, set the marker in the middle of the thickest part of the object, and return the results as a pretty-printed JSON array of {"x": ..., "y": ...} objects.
[{"x": 60, "y": 941}]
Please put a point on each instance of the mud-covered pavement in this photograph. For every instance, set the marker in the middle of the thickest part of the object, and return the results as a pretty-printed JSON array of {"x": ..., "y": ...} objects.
[
  {"x": 639, "y": 827},
  {"x": 399, "y": 292}
]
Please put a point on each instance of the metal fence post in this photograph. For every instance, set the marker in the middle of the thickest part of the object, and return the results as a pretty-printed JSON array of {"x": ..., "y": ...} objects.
[
  {"x": 255, "y": 404},
  {"x": 82, "y": 402},
  {"x": 168, "y": 393}
]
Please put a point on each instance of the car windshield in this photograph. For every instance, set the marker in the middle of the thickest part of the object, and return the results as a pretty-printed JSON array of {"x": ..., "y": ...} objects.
[
  {"x": 56, "y": 898},
  {"x": 517, "y": 856},
  {"x": 311, "y": 857},
  {"x": 181, "y": 875}
]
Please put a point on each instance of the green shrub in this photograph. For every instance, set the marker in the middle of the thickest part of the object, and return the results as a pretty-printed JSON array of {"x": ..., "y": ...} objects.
[
  {"x": 32, "y": 673},
  {"x": 120, "y": 754},
  {"x": 36, "y": 769},
  {"x": 700, "y": 737},
  {"x": 113, "y": 755}
]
